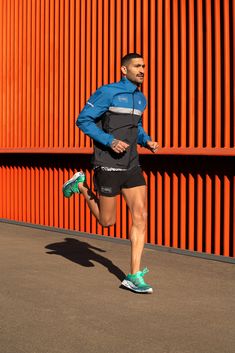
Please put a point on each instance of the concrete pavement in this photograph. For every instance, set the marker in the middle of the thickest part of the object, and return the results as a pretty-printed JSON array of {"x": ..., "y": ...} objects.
[{"x": 61, "y": 294}]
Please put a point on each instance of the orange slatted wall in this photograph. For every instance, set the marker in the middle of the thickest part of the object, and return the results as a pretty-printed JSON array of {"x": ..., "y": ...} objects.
[{"x": 54, "y": 54}]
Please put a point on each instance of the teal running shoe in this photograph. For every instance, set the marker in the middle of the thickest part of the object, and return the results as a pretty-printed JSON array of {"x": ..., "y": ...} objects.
[
  {"x": 136, "y": 282},
  {"x": 71, "y": 186}
]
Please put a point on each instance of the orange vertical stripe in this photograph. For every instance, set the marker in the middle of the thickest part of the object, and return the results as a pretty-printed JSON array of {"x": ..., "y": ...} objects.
[
  {"x": 200, "y": 212},
  {"x": 8, "y": 73},
  {"x": 1, "y": 76},
  {"x": 167, "y": 74},
  {"x": 46, "y": 195},
  {"x": 47, "y": 74},
  {"x": 28, "y": 45},
  {"x": 112, "y": 58},
  {"x": 51, "y": 65},
  {"x": 32, "y": 195},
  {"x": 26, "y": 192},
  {"x": 67, "y": 176},
  {"x": 83, "y": 64},
  {"x": 16, "y": 84},
  {"x": 175, "y": 67},
  {"x": 42, "y": 75},
  {"x": 4, "y": 198},
  {"x": 37, "y": 78},
  {"x": 11, "y": 193},
  {"x": 131, "y": 24},
  {"x": 167, "y": 211},
  {"x": 138, "y": 26},
  {"x": 88, "y": 218},
  {"x": 217, "y": 211},
  {"x": 233, "y": 217},
  {"x": 183, "y": 211},
  {"x": 175, "y": 210},
  {"x": 152, "y": 208},
  {"x": 94, "y": 49},
  {"x": 20, "y": 73},
  {"x": 217, "y": 74},
  {"x": 159, "y": 72},
  {"x": 233, "y": 45},
  {"x": 57, "y": 76},
  {"x": 61, "y": 80},
  {"x": 37, "y": 195},
  {"x": 124, "y": 27},
  {"x": 208, "y": 75},
  {"x": 227, "y": 207},
  {"x": 191, "y": 210},
  {"x": 41, "y": 202},
  {"x": 25, "y": 202},
  {"x": 191, "y": 77},
  {"x": 227, "y": 77},
  {"x": 77, "y": 66},
  {"x": 15, "y": 194},
  {"x": 52, "y": 202},
  {"x": 118, "y": 36},
  {"x": 1, "y": 173},
  {"x": 56, "y": 191},
  {"x": 4, "y": 71},
  {"x": 71, "y": 115},
  {"x": 70, "y": 210},
  {"x": 208, "y": 215},
  {"x": 99, "y": 45},
  {"x": 88, "y": 60},
  {"x": 145, "y": 53},
  {"x": 33, "y": 77},
  {"x": 61, "y": 198},
  {"x": 19, "y": 185},
  {"x": 159, "y": 198},
  {"x": 8, "y": 186},
  {"x": 12, "y": 77},
  {"x": 183, "y": 67},
  {"x": 106, "y": 42},
  {"x": 66, "y": 74},
  {"x": 200, "y": 66},
  {"x": 152, "y": 71},
  {"x": 24, "y": 68}
]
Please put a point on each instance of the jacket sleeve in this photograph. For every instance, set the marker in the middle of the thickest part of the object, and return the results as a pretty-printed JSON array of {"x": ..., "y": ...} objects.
[
  {"x": 97, "y": 105},
  {"x": 142, "y": 136}
]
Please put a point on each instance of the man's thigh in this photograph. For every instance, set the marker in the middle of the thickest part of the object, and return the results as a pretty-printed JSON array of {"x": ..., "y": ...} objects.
[
  {"x": 135, "y": 198},
  {"x": 108, "y": 209}
]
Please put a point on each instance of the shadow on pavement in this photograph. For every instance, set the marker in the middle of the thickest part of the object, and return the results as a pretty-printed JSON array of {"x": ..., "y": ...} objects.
[{"x": 82, "y": 253}]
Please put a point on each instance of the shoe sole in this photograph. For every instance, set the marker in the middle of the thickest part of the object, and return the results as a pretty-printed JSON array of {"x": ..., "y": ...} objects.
[
  {"x": 132, "y": 287},
  {"x": 74, "y": 177}
]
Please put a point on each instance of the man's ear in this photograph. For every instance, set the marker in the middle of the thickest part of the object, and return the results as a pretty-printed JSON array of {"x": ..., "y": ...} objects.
[{"x": 123, "y": 70}]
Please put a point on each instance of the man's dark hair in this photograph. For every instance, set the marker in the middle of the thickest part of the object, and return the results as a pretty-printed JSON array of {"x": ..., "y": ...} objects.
[{"x": 129, "y": 57}]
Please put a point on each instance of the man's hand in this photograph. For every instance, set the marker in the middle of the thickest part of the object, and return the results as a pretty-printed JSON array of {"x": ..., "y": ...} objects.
[
  {"x": 119, "y": 146},
  {"x": 152, "y": 146}
]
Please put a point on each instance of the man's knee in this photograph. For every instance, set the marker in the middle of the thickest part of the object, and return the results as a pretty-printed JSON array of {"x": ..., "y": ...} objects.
[
  {"x": 140, "y": 216},
  {"x": 107, "y": 221}
]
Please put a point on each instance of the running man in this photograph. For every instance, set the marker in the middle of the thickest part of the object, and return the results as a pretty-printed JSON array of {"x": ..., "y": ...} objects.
[{"x": 112, "y": 117}]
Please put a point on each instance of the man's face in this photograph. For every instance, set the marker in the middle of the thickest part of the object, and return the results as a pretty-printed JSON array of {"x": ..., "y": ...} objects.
[{"x": 134, "y": 70}]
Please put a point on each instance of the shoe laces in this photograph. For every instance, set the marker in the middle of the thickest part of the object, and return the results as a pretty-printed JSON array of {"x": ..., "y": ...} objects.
[
  {"x": 140, "y": 279},
  {"x": 145, "y": 270}
]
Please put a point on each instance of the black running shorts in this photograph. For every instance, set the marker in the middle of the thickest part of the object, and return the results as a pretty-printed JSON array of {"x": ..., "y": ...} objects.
[{"x": 110, "y": 183}]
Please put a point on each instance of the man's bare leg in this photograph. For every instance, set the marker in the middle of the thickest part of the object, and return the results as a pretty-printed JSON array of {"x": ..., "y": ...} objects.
[
  {"x": 136, "y": 201},
  {"x": 103, "y": 208}
]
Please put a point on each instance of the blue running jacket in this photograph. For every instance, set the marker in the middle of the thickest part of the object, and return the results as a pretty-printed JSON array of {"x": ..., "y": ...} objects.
[{"x": 115, "y": 111}]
